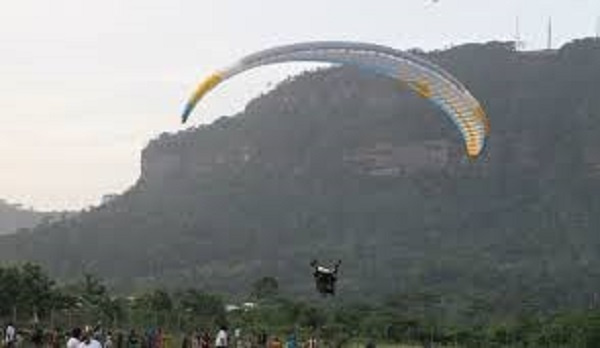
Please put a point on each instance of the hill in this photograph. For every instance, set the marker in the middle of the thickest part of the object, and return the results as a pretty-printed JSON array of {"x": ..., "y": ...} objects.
[
  {"x": 14, "y": 217},
  {"x": 340, "y": 164}
]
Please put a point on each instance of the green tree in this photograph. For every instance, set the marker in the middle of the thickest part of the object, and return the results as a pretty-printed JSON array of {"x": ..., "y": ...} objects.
[
  {"x": 10, "y": 285},
  {"x": 93, "y": 290},
  {"x": 265, "y": 288},
  {"x": 201, "y": 303},
  {"x": 160, "y": 300},
  {"x": 36, "y": 293}
]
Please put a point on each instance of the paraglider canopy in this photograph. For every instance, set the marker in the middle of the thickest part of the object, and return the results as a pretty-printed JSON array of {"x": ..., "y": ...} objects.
[{"x": 424, "y": 78}]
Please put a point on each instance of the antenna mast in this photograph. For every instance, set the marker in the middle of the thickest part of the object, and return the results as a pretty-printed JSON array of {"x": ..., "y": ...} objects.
[
  {"x": 518, "y": 43},
  {"x": 549, "y": 46}
]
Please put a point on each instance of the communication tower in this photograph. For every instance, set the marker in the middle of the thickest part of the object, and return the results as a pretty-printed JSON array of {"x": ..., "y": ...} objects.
[
  {"x": 519, "y": 44},
  {"x": 549, "y": 43}
]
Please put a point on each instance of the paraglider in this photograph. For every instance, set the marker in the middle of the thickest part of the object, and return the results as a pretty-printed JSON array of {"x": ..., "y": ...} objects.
[
  {"x": 325, "y": 277},
  {"x": 426, "y": 79}
]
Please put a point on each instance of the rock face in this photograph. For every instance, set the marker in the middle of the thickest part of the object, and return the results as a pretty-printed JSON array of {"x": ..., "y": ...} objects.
[
  {"x": 338, "y": 164},
  {"x": 386, "y": 159}
]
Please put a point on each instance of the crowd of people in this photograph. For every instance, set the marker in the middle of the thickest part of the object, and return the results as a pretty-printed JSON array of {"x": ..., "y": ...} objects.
[
  {"x": 98, "y": 337},
  {"x": 255, "y": 340}
]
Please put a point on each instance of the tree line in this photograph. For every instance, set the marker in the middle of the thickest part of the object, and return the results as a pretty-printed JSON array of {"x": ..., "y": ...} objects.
[{"x": 30, "y": 297}]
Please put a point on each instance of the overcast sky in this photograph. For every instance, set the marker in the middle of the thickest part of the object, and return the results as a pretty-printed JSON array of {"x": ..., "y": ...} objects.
[{"x": 84, "y": 85}]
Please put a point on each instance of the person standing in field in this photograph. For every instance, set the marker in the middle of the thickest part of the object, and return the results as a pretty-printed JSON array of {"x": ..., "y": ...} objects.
[
  {"x": 291, "y": 341},
  {"x": 10, "y": 336},
  {"x": 275, "y": 343},
  {"x": 75, "y": 338},
  {"x": 133, "y": 340},
  {"x": 108, "y": 343},
  {"x": 204, "y": 341},
  {"x": 187, "y": 340},
  {"x": 89, "y": 341},
  {"x": 221, "y": 340},
  {"x": 311, "y": 342}
]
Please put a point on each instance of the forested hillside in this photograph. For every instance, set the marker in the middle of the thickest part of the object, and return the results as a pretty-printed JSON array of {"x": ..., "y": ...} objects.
[{"x": 338, "y": 164}]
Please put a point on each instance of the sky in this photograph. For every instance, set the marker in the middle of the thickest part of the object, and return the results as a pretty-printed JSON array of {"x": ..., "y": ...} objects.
[{"x": 84, "y": 85}]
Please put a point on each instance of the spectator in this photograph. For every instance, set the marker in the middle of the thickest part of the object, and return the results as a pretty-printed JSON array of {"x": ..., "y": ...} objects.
[
  {"x": 108, "y": 343},
  {"x": 37, "y": 337},
  {"x": 187, "y": 341},
  {"x": 75, "y": 338},
  {"x": 205, "y": 340},
  {"x": 88, "y": 340},
  {"x": 133, "y": 340},
  {"x": 221, "y": 340},
  {"x": 10, "y": 336},
  {"x": 159, "y": 339},
  {"x": 291, "y": 341},
  {"x": 311, "y": 342},
  {"x": 120, "y": 340},
  {"x": 262, "y": 339},
  {"x": 54, "y": 341},
  {"x": 275, "y": 343}
]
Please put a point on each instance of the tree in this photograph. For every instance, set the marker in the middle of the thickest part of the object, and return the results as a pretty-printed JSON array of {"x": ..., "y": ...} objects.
[
  {"x": 25, "y": 288},
  {"x": 160, "y": 301},
  {"x": 36, "y": 294},
  {"x": 264, "y": 288},
  {"x": 10, "y": 280},
  {"x": 92, "y": 290},
  {"x": 201, "y": 304},
  {"x": 312, "y": 317}
]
